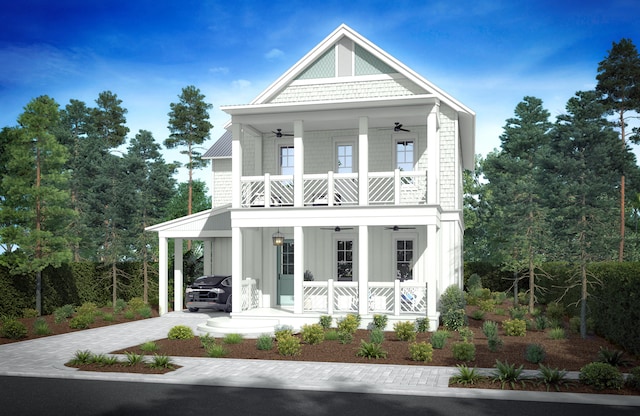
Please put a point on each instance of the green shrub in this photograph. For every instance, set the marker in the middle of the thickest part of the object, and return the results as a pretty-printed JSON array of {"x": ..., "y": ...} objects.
[
  {"x": 81, "y": 321},
  {"x": 555, "y": 311},
  {"x": 289, "y": 345},
  {"x": 499, "y": 311},
  {"x": 62, "y": 313},
  {"x": 108, "y": 317},
  {"x": 136, "y": 303},
  {"x": 13, "y": 329},
  {"x": 282, "y": 331},
  {"x": 439, "y": 339},
  {"x": 613, "y": 357},
  {"x": 489, "y": 328},
  {"x": 326, "y": 321},
  {"x": 345, "y": 337},
  {"x": 633, "y": 379},
  {"x": 514, "y": 327},
  {"x": 535, "y": 353},
  {"x": 494, "y": 343},
  {"x": 82, "y": 357},
  {"x": 452, "y": 299},
  {"x": 556, "y": 333},
  {"x": 149, "y": 346},
  {"x": 421, "y": 351},
  {"x": 331, "y": 335},
  {"x": 264, "y": 342},
  {"x": 454, "y": 319},
  {"x": 371, "y": 350},
  {"x": 552, "y": 377},
  {"x": 29, "y": 313},
  {"x": 507, "y": 373},
  {"x": 233, "y": 339},
  {"x": 541, "y": 322},
  {"x": 405, "y": 330},
  {"x": 88, "y": 308},
  {"x": 487, "y": 305},
  {"x": 499, "y": 297},
  {"x": 466, "y": 334},
  {"x": 207, "y": 341},
  {"x": 41, "y": 327},
  {"x": 423, "y": 325},
  {"x": 180, "y": 332},
  {"x": 216, "y": 351},
  {"x": 119, "y": 306},
  {"x": 601, "y": 376},
  {"x": 132, "y": 359},
  {"x": 312, "y": 334},
  {"x": 466, "y": 375},
  {"x": 376, "y": 336},
  {"x": 518, "y": 312},
  {"x": 474, "y": 282},
  {"x": 349, "y": 324},
  {"x": 129, "y": 314},
  {"x": 160, "y": 361},
  {"x": 144, "y": 311},
  {"x": 380, "y": 321},
  {"x": 464, "y": 351},
  {"x": 478, "y": 315}
]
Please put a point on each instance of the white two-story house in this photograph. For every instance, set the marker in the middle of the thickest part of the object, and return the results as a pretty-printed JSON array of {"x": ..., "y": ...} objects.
[{"x": 337, "y": 190}]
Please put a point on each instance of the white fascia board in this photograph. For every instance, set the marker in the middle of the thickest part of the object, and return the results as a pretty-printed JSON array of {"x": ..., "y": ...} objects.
[
  {"x": 343, "y": 217},
  {"x": 171, "y": 224},
  {"x": 195, "y": 234}
]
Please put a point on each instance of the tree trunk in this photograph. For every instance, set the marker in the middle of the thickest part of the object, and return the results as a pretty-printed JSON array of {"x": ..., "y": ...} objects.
[{"x": 622, "y": 196}]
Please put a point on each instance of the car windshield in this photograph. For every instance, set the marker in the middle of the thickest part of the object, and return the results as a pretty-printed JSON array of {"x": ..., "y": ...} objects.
[{"x": 209, "y": 280}]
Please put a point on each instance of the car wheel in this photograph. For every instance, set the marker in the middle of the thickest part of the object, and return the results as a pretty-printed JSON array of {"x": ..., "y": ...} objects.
[
  {"x": 193, "y": 309},
  {"x": 228, "y": 307}
]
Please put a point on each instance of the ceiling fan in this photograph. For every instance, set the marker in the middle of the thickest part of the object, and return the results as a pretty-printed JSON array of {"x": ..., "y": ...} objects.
[
  {"x": 396, "y": 228},
  {"x": 336, "y": 229},
  {"x": 279, "y": 133},
  {"x": 398, "y": 127}
]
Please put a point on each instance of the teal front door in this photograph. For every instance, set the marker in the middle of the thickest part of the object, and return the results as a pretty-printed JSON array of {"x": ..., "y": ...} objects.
[{"x": 285, "y": 273}]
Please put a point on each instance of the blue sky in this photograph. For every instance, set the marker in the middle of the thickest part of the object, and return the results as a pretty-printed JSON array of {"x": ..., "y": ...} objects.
[{"x": 487, "y": 54}]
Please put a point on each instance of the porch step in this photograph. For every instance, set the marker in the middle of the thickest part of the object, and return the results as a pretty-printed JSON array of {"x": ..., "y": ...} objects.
[{"x": 220, "y": 326}]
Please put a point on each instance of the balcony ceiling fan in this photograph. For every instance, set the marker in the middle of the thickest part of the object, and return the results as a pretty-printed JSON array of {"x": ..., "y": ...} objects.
[
  {"x": 396, "y": 128},
  {"x": 336, "y": 229},
  {"x": 396, "y": 228},
  {"x": 279, "y": 133}
]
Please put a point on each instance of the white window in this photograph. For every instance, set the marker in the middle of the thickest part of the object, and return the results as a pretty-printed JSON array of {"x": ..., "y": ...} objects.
[
  {"x": 405, "y": 155},
  {"x": 404, "y": 259},
  {"x": 344, "y": 153},
  {"x": 286, "y": 160},
  {"x": 344, "y": 263}
]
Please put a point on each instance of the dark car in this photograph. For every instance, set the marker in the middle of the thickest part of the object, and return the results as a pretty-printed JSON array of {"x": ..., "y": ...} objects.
[{"x": 209, "y": 292}]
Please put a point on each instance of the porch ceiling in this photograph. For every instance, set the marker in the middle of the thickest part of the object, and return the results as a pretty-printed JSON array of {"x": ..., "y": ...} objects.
[{"x": 383, "y": 113}]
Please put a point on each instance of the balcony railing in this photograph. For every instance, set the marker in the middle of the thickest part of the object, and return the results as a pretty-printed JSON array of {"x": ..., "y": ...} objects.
[
  {"x": 391, "y": 298},
  {"x": 333, "y": 189}
]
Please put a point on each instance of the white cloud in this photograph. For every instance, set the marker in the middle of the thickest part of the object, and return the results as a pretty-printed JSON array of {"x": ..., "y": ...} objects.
[
  {"x": 241, "y": 83},
  {"x": 219, "y": 70},
  {"x": 274, "y": 53}
]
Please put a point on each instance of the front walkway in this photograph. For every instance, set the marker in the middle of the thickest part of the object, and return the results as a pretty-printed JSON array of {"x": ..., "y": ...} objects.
[{"x": 45, "y": 357}]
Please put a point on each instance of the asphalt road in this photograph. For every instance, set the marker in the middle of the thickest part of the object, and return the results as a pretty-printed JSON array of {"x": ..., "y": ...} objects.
[{"x": 27, "y": 396}]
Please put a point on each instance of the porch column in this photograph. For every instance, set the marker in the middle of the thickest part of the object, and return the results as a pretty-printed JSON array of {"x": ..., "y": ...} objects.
[
  {"x": 363, "y": 161},
  {"x": 208, "y": 257},
  {"x": 236, "y": 269},
  {"x": 178, "y": 266},
  {"x": 163, "y": 276},
  {"x": 236, "y": 164},
  {"x": 363, "y": 270},
  {"x": 433, "y": 150},
  {"x": 298, "y": 270},
  {"x": 433, "y": 274},
  {"x": 298, "y": 163}
]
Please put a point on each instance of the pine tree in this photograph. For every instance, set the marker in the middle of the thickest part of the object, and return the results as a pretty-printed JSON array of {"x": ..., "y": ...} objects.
[{"x": 36, "y": 208}]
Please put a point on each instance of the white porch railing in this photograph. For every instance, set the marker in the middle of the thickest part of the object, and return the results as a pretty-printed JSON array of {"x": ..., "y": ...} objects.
[
  {"x": 250, "y": 294},
  {"x": 331, "y": 189},
  {"x": 391, "y": 298}
]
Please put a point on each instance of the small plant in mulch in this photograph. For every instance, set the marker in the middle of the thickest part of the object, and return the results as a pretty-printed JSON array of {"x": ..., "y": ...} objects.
[
  {"x": 149, "y": 346},
  {"x": 552, "y": 377},
  {"x": 180, "y": 332},
  {"x": 264, "y": 342},
  {"x": 466, "y": 375},
  {"x": 506, "y": 373},
  {"x": 371, "y": 350},
  {"x": 233, "y": 339}
]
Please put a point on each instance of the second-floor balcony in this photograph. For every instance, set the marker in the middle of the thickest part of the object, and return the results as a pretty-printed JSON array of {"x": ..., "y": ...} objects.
[{"x": 335, "y": 189}]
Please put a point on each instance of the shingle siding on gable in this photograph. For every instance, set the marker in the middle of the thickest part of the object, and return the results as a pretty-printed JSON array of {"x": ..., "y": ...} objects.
[
  {"x": 347, "y": 90},
  {"x": 447, "y": 158}
]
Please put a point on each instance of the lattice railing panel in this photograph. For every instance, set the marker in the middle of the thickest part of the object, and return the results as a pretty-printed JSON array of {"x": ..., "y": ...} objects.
[
  {"x": 282, "y": 191},
  {"x": 345, "y": 299},
  {"x": 381, "y": 190},
  {"x": 316, "y": 298},
  {"x": 346, "y": 190},
  {"x": 381, "y": 299},
  {"x": 413, "y": 299}
]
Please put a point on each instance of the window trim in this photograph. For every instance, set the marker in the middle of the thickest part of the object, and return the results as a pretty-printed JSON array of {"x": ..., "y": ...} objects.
[
  {"x": 397, "y": 138},
  {"x": 342, "y": 236},
  {"x": 279, "y": 145},
  {"x": 413, "y": 237},
  {"x": 342, "y": 141}
]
